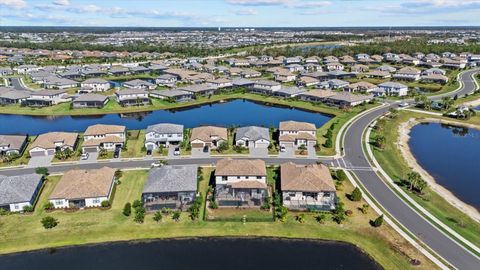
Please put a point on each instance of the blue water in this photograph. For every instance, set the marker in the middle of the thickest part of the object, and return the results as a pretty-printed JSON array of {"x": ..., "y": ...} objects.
[
  {"x": 206, "y": 253},
  {"x": 452, "y": 156},
  {"x": 237, "y": 112},
  {"x": 477, "y": 108}
]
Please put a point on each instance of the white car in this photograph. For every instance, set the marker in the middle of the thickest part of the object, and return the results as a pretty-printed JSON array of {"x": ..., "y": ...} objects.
[
  {"x": 85, "y": 156},
  {"x": 403, "y": 104},
  {"x": 157, "y": 164},
  {"x": 176, "y": 151},
  {"x": 282, "y": 148}
]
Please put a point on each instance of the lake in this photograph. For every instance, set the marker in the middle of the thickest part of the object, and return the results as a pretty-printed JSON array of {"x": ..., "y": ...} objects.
[
  {"x": 452, "y": 156},
  {"x": 236, "y": 112},
  {"x": 206, "y": 253}
]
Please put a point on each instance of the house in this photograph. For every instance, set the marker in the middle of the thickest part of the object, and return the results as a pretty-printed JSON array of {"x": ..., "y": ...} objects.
[
  {"x": 26, "y": 69},
  {"x": 163, "y": 134},
  {"x": 208, "y": 136},
  {"x": 220, "y": 83},
  {"x": 96, "y": 84},
  {"x": 90, "y": 101},
  {"x": 294, "y": 134},
  {"x": 240, "y": 183},
  {"x": 173, "y": 95},
  {"x": 307, "y": 81},
  {"x": 359, "y": 68},
  {"x": 203, "y": 89},
  {"x": 242, "y": 83},
  {"x": 394, "y": 88},
  {"x": 107, "y": 137},
  {"x": 386, "y": 68},
  {"x": 46, "y": 98},
  {"x": 307, "y": 187},
  {"x": 378, "y": 74},
  {"x": 284, "y": 75},
  {"x": 289, "y": 92},
  {"x": 334, "y": 66},
  {"x": 250, "y": 73},
  {"x": 133, "y": 96},
  {"x": 12, "y": 144},
  {"x": 6, "y": 71},
  {"x": 12, "y": 96},
  {"x": 365, "y": 87},
  {"x": 83, "y": 188},
  {"x": 49, "y": 143},
  {"x": 347, "y": 99},
  {"x": 19, "y": 191},
  {"x": 172, "y": 187},
  {"x": 316, "y": 95},
  {"x": 334, "y": 84},
  {"x": 252, "y": 137},
  {"x": 294, "y": 68},
  {"x": 434, "y": 78},
  {"x": 166, "y": 80},
  {"x": 139, "y": 84},
  {"x": 408, "y": 74},
  {"x": 59, "y": 83},
  {"x": 431, "y": 71},
  {"x": 265, "y": 86}
]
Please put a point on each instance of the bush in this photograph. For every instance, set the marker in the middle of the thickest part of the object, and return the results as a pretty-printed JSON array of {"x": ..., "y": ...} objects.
[
  {"x": 118, "y": 174},
  {"x": 105, "y": 203},
  {"x": 166, "y": 211},
  {"x": 364, "y": 208},
  {"x": 281, "y": 213},
  {"x": 127, "y": 209},
  {"x": 194, "y": 209},
  {"x": 41, "y": 170},
  {"x": 341, "y": 176},
  {"x": 356, "y": 195},
  {"x": 136, "y": 204},
  {"x": 3, "y": 212},
  {"x": 28, "y": 208},
  {"x": 320, "y": 218},
  {"x": 300, "y": 218},
  {"x": 48, "y": 206},
  {"x": 157, "y": 216},
  {"x": 49, "y": 222},
  {"x": 176, "y": 215},
  {"x": 213, "y": 204},
  {"x": 377, "y": 222},
  {"x": 139, "y": 214}
]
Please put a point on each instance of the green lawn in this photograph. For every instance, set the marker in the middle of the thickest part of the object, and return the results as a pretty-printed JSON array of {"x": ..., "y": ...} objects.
[
  {"x": 95, "y": 226},
  {"x": 396, "y": 167},
  {"x": 135, "y": 144}
]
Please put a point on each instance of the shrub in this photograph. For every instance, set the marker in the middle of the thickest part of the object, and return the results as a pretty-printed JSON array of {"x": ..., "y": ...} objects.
[
  {"x": 136, "y": 204},
  {"x": 127, "y": 209},
  {"x": 364, "y": 208},
  {"x": 118, "y": 174},
  {"x": 281, "y": 213},
  {"x": 300, "y": 218},
  {"x": 41, "y": 170},
  {"x": 3, "y": 212},
  {"x": 105, "y": 203},
  {"x": 213, "y": 204},
  {"x": 157, "y": 216},
  {"x": 176, "y": 215},
  {"x": 377, "y": 222},
  {"x": 356, "y": 195},
  {"x": 320, "y": 218},
  {"x": 341, "y": 176},
  {"x": 266, "y": 204},
  {"x": 139, "y": 214},
  {"x": 48, "y": 206},
  {"x": 194, "y": 209},
  {"x": 28, "y": 208},
  {"x": 166, "y": 211},
  {"x": 49, "y": 222}
]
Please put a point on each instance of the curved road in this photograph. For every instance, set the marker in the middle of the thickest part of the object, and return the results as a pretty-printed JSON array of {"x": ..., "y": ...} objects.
[{"x": 430, "y": 235}]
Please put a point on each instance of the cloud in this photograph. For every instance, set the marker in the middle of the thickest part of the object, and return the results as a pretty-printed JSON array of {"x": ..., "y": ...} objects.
[
  {"x": 63, "y": 3},
  {"x": 18, "y": 4},
  {"x": 314, "y": 12},
  {"x": 259, "y": 2},
  {"x": 312, "y": 4},
  {"x": 246, "y": 12},
  {"x": 85, "y": 9},
  {"x": 426, "y": 7}
]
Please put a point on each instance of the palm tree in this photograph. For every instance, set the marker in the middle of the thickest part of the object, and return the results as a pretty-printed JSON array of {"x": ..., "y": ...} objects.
[{"x": 447, "y": 102}]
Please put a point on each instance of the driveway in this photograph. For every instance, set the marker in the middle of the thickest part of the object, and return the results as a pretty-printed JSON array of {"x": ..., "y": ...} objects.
[
  {"x": 288, "y": 153},
  {"x": 92, "y": 158},
  {"x": 258, "y": 152},
  {"x": 40, "y": 161},
  {"x": 171, "y": 150},
  {"x": 198, "y": 153},
  {"x": 312, "y": 153}
]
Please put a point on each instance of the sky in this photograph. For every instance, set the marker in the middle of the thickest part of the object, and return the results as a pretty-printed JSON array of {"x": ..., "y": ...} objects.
[{"x": 239, "y": 13}]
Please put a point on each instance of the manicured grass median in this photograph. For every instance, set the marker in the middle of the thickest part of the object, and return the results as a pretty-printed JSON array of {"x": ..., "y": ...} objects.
[{"x": 95, "y": 226}]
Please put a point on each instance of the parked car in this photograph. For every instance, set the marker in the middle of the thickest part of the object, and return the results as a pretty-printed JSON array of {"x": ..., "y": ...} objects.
[
  {"x": 403, "y": 104},
  {"x": 282, "y": 148},
  {"x": 156, "y": 164},
  {"x": 176, "y": 151},
  {"x": 85, "y": 156},
  {"x": 116, "y": 154},
  {"x": 149, "y": 152}
]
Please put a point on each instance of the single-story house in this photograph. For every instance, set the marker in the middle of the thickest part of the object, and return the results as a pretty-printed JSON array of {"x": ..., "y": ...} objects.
[
  {"x": 51, "y": 142},
  {"x": 90, "y": 101},
  {"x": 394, "y": 88},
  {"x": 83, "y": 188},
  {"x": 59, "y": 83},
  {"x": 12, "y": 144},
  {"x": 139, "y": 84},
  {"x": 265, "y": 86},
  {"x": 347, "y": 99},
  {"x": 96, "y": 84},
  {"x": 173, "y": 94},
  {"x": 407, "y": 73},
  {"x": 240, "y": 183},
  {"x": 434, "y": 78},
  {"x": 203, "y": 89},
  {"x": 106, "y": 137},
  {"x": 209, "y": 136},
  {"x": 294, "y": 134},
  {"x": 12, "y": 96},
  {"x": 171, "y": 187},
  {"x": 163, "y": 134},
  {"x": 166, "y": 80},
  {"x": 252, "y": 136},
  {"x": 307, "y": 81},
  {"x": 289, "y": 92},
  {"x": 316, "y": 95},
  {"x": 220, "y": 83},
  {"x": 132, "y": 97},
  {"x": 19, "y": 191},
  {"x": 307, "y": 187},
  {"x": 378, "y": 74},
  {"x": 364, "y": 87}
]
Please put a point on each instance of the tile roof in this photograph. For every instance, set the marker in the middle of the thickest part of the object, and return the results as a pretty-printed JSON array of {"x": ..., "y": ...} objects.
[
  {"x": 308, "y": 178},
  {"x": 47, "y": 140},
  {"x": 172, "y": 178},
  {"x": 243, "y": 167},
  {"x": 19, "y": 188},
  {"x": 100, "y": 129}
]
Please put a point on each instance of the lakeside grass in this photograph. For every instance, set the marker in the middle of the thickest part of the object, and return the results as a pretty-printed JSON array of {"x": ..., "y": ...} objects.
[
  {"x": 391, "y": 160},
  {"x": 96, "y": 226}
]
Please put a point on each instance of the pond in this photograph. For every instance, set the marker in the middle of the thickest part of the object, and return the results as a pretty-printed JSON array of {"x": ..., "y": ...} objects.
[
  {"x": 451, "y": 155},
  {"x": 206, "y": 253},
  {"x": 236, "y": 112}
]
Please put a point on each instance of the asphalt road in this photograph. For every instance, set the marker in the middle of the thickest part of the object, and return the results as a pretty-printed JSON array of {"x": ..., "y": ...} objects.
[
  {"x": 16, "y": 84},
  {"x": 355, "y": 157}
]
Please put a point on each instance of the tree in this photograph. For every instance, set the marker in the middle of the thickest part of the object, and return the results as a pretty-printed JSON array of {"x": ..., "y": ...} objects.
[
  {"x": 222, "y": 147},
  {"x": 127, "y": 209},
  {"x": 356, "y": 195},
  {"x": 377, "y": 222},
  {"x": 281, "y": 213},
  {"x": 380, "y": 141},
  {"x": 176, "y": 215},
  {"x": 136, "y": 204},
  {"x": 415, "y": 181},
  {"x": 49, "y": 222},
  {"x": 139, "y": 217},
  {"x": 393, "y": 113},
  {"x": 157, "y": 216},
  {"x": 42, "y": 170},
  {"x": 341, "y": 176},
  {"x": 447, "y": 102}
]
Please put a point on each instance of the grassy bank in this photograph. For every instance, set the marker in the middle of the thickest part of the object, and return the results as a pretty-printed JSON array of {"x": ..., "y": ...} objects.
[
  {"x": 396, "y": 167},
  {"x": 95, "y": 226}
]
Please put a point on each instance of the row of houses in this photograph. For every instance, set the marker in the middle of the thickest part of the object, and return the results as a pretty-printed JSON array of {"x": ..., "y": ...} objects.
[{"x": 238, "y": 183}]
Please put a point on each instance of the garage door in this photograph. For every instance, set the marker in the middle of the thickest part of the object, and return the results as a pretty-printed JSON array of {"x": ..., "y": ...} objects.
[
  {"x": 90, "y": 149},
  {"x": 197, "y": 145},
  {"x": 51, "y": 151},
  {"x": 37, "y": 153},
  {"x": 261, "y": 144}
]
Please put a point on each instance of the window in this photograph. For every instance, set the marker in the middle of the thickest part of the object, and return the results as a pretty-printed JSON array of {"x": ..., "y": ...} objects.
[
  {"x": 238, "y": 177},
  {"x": 96, "y": 201},
  {"x": 16, "y": 207},
  {"x": 224, "y": 178},
  {"x": 58, "y": 202},
  {"x": 259, "y": 177}
]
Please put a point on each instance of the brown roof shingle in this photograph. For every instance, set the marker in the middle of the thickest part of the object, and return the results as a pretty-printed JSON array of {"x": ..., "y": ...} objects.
[
  {"x": 309, "y": 178},
  {"x": 103, "y": 129},
  {"x": 241, "y": 167},
  {"x": 47, "y": 140}
]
